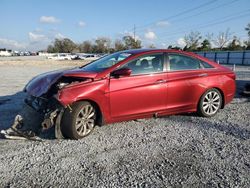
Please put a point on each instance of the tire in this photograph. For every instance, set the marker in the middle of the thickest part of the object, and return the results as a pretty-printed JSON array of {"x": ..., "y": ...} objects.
[
  {"x": 210, "y": 103},
  {"x": 80, "y": 121}
]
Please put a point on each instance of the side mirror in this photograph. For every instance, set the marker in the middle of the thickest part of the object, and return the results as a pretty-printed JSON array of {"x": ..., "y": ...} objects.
[{"x": 121, "y": 72}]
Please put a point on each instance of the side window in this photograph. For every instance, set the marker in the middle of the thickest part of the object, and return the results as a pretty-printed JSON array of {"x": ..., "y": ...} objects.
[
  {"x": 147, "y": 64},
  {"x": 206, "y": 65},
  {"x": 181, "y": 62}
]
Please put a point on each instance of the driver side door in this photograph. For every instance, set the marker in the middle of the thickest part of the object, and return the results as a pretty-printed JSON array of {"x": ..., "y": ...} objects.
[{"x": 143, "y": 92}]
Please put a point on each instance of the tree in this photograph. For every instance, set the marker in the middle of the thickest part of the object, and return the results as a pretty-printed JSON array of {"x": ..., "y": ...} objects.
[
  {"x": 51, "y": 49},
  {"x": 192, "y": 41},
  {"x": 248, "y": 29},
  {"x": 119, "y": 45},
  {"x": 102, "y": 45},
  {"x": 131, "y": 43},
  {"x": 247, "y": 45},
  {"x": 222, "y": 39},
  {"x": 86, "y": 47},
  {"x": 62, "y": 46},
  {"x": 235, "y": 44},
  {"x": 170, "y": 47},
  {"x": 151, "y": 46},
  {"x": 173, "y": 47},
  {"x": 205, "y": 45},
  {"x": 68, "y": 45}
]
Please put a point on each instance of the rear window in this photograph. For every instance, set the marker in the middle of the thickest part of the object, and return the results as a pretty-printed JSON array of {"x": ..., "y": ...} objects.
[{"x": 181, "y": 62}]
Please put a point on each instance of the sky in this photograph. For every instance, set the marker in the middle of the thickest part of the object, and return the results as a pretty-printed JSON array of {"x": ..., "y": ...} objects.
[{"x": 33, "y": 24}]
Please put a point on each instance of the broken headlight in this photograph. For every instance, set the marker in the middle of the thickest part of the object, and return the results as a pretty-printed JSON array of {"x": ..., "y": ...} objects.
[{"x": 62, "y": 85}]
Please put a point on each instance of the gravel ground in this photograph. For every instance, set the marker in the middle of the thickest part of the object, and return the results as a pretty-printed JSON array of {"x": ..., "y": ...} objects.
[{"x": 173, "y": 151}]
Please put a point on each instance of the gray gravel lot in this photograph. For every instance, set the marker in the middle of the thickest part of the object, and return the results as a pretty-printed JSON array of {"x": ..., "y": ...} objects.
[{"x": 173, "y": 151}]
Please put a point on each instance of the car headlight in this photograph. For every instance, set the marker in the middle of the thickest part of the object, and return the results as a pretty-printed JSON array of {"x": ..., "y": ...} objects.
[{"x": 62, "y": 85}]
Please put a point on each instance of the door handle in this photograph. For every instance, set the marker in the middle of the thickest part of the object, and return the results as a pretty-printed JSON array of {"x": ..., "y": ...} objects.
[
  {"x": 160, "y": 81},
  {"x": 203, "y": 75}
]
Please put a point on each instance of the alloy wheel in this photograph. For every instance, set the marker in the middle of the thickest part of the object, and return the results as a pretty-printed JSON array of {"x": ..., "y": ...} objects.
[
  {"x": 85, "y": 120},
  {"x": 211, "y": 102}
]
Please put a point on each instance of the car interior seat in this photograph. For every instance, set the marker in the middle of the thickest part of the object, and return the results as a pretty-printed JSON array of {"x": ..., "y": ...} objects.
[
  {"x": 156, "y": 64},
  {"x": 144, "y": 64}
]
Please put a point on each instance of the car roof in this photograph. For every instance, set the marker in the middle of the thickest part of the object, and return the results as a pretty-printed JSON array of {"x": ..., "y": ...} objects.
[
  {"x": 145, "y": 50},
  {"x": 149, "y": 50}
]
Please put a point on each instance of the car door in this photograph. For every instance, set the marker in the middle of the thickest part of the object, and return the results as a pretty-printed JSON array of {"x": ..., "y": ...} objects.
[
  {"x": 185, "y": 78},
  {"x": 144, "y": 91}
]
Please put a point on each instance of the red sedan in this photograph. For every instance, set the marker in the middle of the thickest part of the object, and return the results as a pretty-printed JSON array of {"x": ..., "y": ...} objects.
[{"x": 130, "y": 85}]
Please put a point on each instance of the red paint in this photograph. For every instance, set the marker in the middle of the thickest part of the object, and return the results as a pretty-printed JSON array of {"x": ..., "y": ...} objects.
[{"x": 133, "y": 97}]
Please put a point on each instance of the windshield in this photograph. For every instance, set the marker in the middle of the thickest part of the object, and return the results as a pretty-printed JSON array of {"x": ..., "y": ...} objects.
[{"x": 106, "y": 62}]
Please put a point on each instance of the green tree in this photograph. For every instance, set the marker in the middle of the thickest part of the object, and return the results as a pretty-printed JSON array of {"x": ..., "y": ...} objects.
[
  {"x": 131, "y": 43},
  {"x": 62, "y": 46},
  {"x": 86, "y": 47},
  {"x": 102, "y": 45},
  {"x": 119, "y": 45},
  {"x": 247, "y": 45},
  {"x": 151, "y": 46},
  {"x": 170, "y": 47},
  {"x": 247, "y": 28},
  {"x": 174, "y": 47},
  {"x": 235, "y": 44},
  {"x": 205, "y": 45},
  {"x": 68, "y": 45},
  {"x": 51, "y": 49}
]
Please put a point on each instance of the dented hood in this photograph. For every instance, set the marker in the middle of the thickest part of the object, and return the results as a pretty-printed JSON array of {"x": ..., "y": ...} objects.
[{"x": 40, "y": 84}]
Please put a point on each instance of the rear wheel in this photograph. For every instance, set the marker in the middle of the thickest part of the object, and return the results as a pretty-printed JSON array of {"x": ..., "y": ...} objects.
[
  {"x": 210, "y": 103},
  {"x": 79, "y": 121}
]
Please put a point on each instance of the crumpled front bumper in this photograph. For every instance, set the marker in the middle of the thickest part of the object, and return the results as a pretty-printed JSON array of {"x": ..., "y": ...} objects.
[
  {"x": 37, "y": 115},
  {"x": 49, "y": 112}
]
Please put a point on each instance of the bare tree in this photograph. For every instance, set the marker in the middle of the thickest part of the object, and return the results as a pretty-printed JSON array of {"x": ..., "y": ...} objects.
[
  {"x": 222, "y": 39},
  {"x": 192, "y": 40},
  {"x": 209, "y": 36}
]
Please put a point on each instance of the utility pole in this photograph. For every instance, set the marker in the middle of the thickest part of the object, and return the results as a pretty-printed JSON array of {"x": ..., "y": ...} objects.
[{"x": 134, "y": 32}]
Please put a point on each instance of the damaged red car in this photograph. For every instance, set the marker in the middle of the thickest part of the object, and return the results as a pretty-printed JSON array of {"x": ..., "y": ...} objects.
[{"x": 129, "y": 85}]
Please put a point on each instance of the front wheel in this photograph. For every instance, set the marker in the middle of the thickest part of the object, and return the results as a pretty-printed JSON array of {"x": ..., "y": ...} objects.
[
  {"x": 79, "y": 121},
  {"x": 210, "y": 103}
]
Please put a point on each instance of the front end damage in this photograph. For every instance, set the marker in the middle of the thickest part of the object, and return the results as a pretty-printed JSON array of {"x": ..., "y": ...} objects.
[
  {"x": 42, "y": 109},
  {"x": 50, "y": 112}
]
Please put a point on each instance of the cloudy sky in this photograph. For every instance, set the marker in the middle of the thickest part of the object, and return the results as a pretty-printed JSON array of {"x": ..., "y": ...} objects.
[{"x": 32, "y": 25}]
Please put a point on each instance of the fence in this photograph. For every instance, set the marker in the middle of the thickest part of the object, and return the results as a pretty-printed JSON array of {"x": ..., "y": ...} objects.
[{"x": 228, "y": 57}]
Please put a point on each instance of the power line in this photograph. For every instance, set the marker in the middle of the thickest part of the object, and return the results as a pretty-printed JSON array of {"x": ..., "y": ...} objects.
[
  {"x": 212, "y": 23},
  {"x": 202, "y": 12},
  {"x": 179, "y": 14},
  {"x": 204, "y": 26},
  {"x": 208, "y": 10}
]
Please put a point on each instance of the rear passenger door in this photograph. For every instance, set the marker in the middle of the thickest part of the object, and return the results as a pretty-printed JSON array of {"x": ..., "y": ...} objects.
[{"x": 185, "y": 75}]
